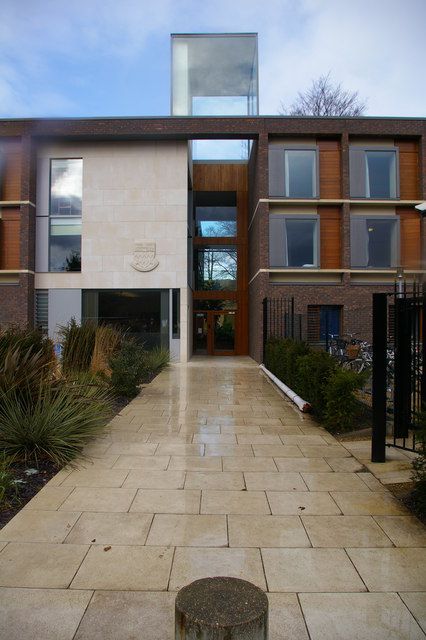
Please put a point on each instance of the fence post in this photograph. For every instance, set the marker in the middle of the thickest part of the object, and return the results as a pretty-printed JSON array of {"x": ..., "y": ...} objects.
[
  {"x": 402, "y": 382},
  {"x": 423, "y": 339},
  {"x": 265, "y": 327},
  {"x": 380, "y": 333}
]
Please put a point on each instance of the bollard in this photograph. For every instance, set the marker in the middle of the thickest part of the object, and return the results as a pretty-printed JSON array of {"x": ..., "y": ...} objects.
[{"x": 221, "y": 608}]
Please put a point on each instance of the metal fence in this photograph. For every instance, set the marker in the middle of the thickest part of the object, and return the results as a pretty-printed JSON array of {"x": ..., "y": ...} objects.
[
  {"x": 280, "y": 320},
  {"x": 399, "y": 377}
]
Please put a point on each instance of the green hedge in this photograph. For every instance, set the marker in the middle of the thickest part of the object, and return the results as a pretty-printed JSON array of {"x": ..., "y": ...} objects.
[{"x": 318, "y": 379}]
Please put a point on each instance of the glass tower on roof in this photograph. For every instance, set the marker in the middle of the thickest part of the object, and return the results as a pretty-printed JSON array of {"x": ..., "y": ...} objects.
[{"x": 214, "y": 75}]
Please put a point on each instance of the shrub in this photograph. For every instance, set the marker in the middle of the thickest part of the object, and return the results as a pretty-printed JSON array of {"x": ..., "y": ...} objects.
[
  {"x": 155, "y": 361},
  {"x": 78, "y": 343},
  {"x": 26, "y": 358},
  {"x": 128, "y": 369},
  {"x": 419, "y": 470},
  {"x": 108, "y": 341},
  {"x": 282, "y": 356},
  {"x": 56, "y": 424},
  {"x": 341, "y": 405},
  {"x": 6, "y": 479},
  {"x": 24, "y": 340},
  {"x": 314, "y": 371}
]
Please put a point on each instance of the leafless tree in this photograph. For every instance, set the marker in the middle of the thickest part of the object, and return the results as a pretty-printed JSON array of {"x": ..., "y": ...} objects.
[{"x": 324, "y": 98}]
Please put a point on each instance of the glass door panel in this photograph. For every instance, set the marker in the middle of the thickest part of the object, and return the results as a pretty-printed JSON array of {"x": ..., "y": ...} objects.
[
  {"x": 223, "y": 332},
  {"x": 201, "y": 333}
]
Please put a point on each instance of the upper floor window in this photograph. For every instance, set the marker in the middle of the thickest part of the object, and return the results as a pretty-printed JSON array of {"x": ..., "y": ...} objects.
[
  {"x": 374, "y": 242},
  {"x": 374, "y": 172},
  {"x": 215, "y": 268},
  {"x": 293, "y": 241},
  {"x": 65, "y": 214},
  {"x": 293, "y": 172},
  {"x": 215, "y": 214}
]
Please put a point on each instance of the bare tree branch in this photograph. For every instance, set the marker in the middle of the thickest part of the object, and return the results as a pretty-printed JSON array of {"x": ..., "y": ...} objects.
[{"x": 324, "y": 98}]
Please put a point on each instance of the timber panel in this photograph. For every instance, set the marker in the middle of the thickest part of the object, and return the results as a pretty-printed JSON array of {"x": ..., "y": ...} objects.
[
  {"x": 220, "y": 177},
  {"x": 409, "y": 174},
  {"x": 410, "y": 239},
  {"x": 330, "y": 169},
  {"x": 330, "y": 237},
  {"x": 10, "y": 226},
  {"x": 10, "y": 180}
]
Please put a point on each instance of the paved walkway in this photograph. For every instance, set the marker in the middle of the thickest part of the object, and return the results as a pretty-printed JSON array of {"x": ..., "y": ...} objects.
[{"x": 210, "y": 472}]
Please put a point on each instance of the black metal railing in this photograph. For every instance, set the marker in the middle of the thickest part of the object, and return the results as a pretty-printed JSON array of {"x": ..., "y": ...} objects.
[
  {"x": 280, "y": 320},
  {"x": 399, "y": 377}
]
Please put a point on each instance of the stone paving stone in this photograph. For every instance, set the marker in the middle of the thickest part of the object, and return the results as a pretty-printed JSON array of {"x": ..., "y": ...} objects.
[
  {"x": 40, "y": 565},
  {"x": 345, "y": 531},
  {"x": 391, "y": 569},
  {"x": 306, "y": 440},
  {"x": 274, "y": 481},
  {"x": 302, "y": 503},
  {"x": 246, "y": 502},
  {"x": 110, "y": 528},
  {"x": 26, "y": 614},
  {"x": 293, "y": 570},
  {"x": 334, "y": 482},
  {"x": 93, "y": 499},
  {"x": 128, "y": 436},
  {"x": 167, "y": 449},
  {"x": 132, "y": 448},
  {"x": 214, "y": 438},
  {"x": 154, "y": 463},
  {"x": 49, "y": 498},
  {"x": 124, "y": 615},
  {"x": 195, "y": 463},
  {"x": 167, "y": 501},
  {"x": 277, "y": 451},
  {"x": 404, "y": 531},
  {"x": 238, "y": 429},
  {"x": 325, "y": 451},
  {"x": 266, "y": 531},
  {"x": 192, "y": 564},
  {"x": 39, "y": 526},
  {"x": 221, "y": 481},
  {"x": 368, "y": 503},
  {"x": 169, "y": 438},
  {"x": 229, "y": 450},
  {"x": 350, "y": 465},
  {"x": 366, "y": 616},
  {"x": 125, "y": 568},
  {"x": 314, "y": 465},
  {"x": 2, "y": 546},
  {"x": 255, "y": 438},
  {"x": 95, "y": 478},
  {"x": 188, "y": 530},
  {"x": 372, "y": 482},
  {"x": 249, "y": 464},
  {"x": 285, "y": 617},
  {"x": 141, "y": 479},
  {"x": 416, "y": 602}
]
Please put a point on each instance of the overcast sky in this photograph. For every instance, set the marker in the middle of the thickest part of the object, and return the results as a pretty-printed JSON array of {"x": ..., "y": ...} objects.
[{"x": 112, "y": 57}]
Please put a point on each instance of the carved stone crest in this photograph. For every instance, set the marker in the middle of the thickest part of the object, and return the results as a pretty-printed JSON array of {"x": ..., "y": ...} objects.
[{"x": 144, "y": 256}]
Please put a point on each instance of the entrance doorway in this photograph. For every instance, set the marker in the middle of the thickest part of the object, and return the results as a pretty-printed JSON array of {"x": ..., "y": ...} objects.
[{"x": 214, "y": 333}]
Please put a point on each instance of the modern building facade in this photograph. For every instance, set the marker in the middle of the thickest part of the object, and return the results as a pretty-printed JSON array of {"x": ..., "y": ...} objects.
[{"x": 178, "y": 227}]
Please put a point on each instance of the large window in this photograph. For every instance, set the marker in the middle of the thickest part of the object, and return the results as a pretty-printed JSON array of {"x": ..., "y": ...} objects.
[
  {"x": 373, "y": 173},
  {"x": 65, "y": 214},
  {"x": 293, "y": 241},
  {"x": 293, "y": 172},
  {"x": 216, "y": 214},
  {"x": 215, "y": 268},
  {"x": 374, "y": 242}
]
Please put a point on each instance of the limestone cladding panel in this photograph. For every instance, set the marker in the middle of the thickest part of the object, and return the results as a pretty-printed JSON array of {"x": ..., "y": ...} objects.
[{"x": 132, "y": 191}]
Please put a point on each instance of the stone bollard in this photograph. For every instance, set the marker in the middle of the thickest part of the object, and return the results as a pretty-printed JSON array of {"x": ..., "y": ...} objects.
[{"x": 221, "y": 608}]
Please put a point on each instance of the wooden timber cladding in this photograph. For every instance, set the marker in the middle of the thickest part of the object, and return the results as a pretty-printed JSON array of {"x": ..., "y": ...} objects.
[
  {"x": 330, "y": 168},
  {"x": 330, "y": 237},
  {"x": 409, "y": 181},
  {"x": 410, "y": 239},
  {"x": 10, "y": 171},
  {"x": 220, "y": 177},
  {"x": 10, "y": 223}
]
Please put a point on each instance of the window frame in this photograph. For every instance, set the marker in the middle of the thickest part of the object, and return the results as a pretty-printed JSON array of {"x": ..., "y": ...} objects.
[
  {"x": 395, "y": 240},
  {"x": 283, "y": 169},
  {"x": 283, "y": 217},
  {"x": 354, "y": 166},
  {"x": 65, "y": 216}
]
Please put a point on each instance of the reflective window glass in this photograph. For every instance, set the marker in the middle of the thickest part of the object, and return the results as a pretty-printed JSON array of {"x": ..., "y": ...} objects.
[
  {"x": 301, "y": 243},
  {"x": 65, "y": 244},
  {"x": 215, "y": 268},
  {"x": 66, "y": 187},
  {"x": 380, "y": 242},
  {"x": 216, "y": 222},
  {"x": 380, "y": 174},
  {"x": 300, "y": 173}
]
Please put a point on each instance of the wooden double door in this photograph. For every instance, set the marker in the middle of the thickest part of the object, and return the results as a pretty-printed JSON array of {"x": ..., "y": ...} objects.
[{"x": 214, "y": 333}]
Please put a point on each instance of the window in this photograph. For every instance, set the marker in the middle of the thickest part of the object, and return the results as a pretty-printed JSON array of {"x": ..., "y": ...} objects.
[
  {"x": 373, "y": 172},
  {"x": 176, "y": 314},
  {"x": 293, "y": 241},
  {"x": 215, "y": 268},
  {"x": 374, "y": 242},
  {"x": 293, "y": 172},
  {"x": 65, "y": 214},
  {"x": 41, "y": 310},
  {"x": 216, "y": 214}
]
